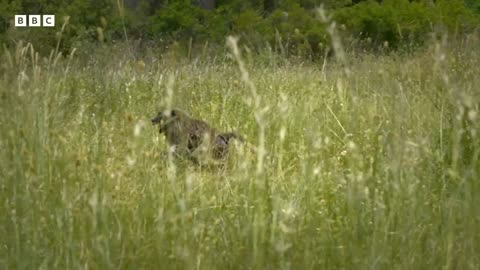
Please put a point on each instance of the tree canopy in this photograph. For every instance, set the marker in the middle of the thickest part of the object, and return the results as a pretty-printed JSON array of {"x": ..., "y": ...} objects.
[{"x": 293, "y": 23}]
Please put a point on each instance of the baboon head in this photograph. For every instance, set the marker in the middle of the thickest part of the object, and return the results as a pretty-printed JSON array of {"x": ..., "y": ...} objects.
[{"x": 164, "y": 117}]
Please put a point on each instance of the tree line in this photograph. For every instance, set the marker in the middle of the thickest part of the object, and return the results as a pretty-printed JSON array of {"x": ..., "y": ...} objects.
[{"x": 294, "y": 26}]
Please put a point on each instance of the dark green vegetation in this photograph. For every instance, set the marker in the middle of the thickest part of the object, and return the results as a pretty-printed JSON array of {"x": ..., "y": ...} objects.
[{"x": 292, "y": 27}]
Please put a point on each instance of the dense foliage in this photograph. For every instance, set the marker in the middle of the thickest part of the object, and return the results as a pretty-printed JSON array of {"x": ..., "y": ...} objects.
[{"x": 292, "y": 26}]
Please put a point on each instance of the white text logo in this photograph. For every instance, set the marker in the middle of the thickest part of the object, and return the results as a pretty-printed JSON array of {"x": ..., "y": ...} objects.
[{"x": 34, "y": 20}]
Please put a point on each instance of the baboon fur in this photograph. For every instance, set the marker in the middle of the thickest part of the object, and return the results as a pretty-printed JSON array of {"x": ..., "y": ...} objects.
[{"x": 189, "y": 136}]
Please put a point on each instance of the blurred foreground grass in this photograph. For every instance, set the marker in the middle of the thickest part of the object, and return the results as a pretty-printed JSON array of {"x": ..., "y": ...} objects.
[{"x": 370, "y": 163}]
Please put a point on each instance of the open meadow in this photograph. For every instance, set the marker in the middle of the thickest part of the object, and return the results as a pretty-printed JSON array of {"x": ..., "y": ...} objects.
[{"x": 363, "y": 161}]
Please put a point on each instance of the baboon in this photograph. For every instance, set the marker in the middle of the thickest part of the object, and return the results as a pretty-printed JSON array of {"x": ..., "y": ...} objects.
[{"x": 189, "y": 136}]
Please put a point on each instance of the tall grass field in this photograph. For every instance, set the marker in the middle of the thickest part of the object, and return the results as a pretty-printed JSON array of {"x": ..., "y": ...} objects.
[{"x": 362, "y": 161}]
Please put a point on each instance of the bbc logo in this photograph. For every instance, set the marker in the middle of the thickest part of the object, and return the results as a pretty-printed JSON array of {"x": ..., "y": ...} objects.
[{"x": 34, "y": 20}]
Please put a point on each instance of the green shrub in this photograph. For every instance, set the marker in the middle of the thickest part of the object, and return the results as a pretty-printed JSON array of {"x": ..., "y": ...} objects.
[
  {"x": 253, "y": 29},
  {"x": 298, "y": 29},
  {"x": 456, "y": 16},
  {"x": 287, "y": 26},
  {"x": 401, "y": 22}
]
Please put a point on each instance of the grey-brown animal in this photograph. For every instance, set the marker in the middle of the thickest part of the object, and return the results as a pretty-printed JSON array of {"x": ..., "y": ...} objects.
[{"x": 189, "y": 136}]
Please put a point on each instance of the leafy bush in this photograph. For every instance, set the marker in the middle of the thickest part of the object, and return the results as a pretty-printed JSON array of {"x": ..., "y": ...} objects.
[
  {"x": 289, "y": 26},
  {"x": 178, "y": 19},
  {"x": 456, "y": 16},
  {"x": 403, "y": 22},
  {"x": 299, "y": 28}
]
